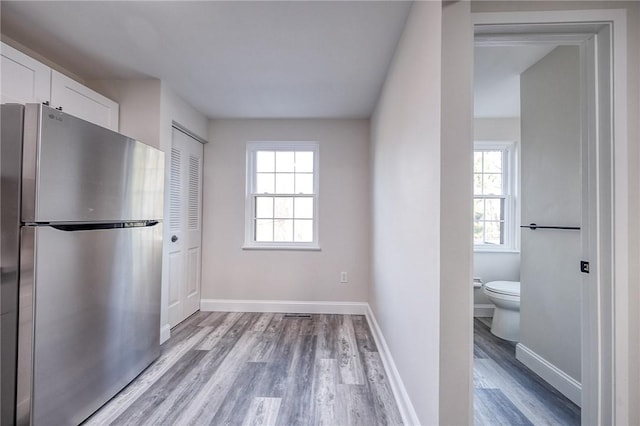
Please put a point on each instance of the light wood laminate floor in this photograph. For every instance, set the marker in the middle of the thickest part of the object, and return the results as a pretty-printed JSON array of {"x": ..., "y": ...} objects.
[
  {"x": 507, "y": 392},
  {"x": 260, "y": 369}
]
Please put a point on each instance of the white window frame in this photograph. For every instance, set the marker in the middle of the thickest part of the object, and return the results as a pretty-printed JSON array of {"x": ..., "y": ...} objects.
[
  {"x": 510, "y": 185},
  {"x": 250, "y": 195}
]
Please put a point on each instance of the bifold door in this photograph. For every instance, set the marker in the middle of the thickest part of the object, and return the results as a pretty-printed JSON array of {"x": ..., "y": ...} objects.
[{"x": 185, "y": 226}]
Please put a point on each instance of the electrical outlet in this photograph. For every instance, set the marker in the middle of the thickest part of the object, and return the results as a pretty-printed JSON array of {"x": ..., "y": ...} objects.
[{"x": 344, "y": 278}]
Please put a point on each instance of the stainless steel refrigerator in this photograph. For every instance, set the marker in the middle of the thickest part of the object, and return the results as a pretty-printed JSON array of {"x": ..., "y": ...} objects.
[{"x": 81, "y": 258}]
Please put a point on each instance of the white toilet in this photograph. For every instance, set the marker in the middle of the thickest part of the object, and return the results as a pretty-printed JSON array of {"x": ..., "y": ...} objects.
[{"x": 506, "y": 317}]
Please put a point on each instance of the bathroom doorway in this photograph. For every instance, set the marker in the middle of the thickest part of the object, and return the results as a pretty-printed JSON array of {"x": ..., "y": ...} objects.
[
  {"x": 563, "y": 160},
  {"x": 527, "y": 171}
]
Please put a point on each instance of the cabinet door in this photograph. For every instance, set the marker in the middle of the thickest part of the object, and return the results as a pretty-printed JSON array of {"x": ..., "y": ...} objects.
[
  {"x": 79, "y": 100},
  {"x": 22, "y": 79}
]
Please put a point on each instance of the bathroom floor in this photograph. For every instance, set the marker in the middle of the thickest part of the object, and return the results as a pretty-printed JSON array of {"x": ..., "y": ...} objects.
[{"x": 507, "y": 392}]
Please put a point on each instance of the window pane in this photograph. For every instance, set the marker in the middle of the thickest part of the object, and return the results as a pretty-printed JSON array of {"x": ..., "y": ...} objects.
[
  {"x": 477, "y": 184},
  {"x": 284, "y": 161},
  {"x": 492, "y": 184},
  {"x": 264, "y": 230},
  {"x": 478, "y": 209},
  {"x": 493, "y": 209},
  {"x": 304, "y": 183},
  {"x": 265, "y": 183},
  {"x": 477, "y": 161},
  {"x": 265, "y": 161},
  {"x": 492, "y": 162},
  {"x": 264, "y": 207},
  {"x": 284, "y": 183},
  {"x": 303, "y": 231},
  {"x": 304, "y": 162},
  {"x": 492, "y": 233},
  {"x": 283, "y": 230},
  {"x": 478, "y": 232},
  {"x": 283, "y": 207},
  {"x": 304, "y": 208}
]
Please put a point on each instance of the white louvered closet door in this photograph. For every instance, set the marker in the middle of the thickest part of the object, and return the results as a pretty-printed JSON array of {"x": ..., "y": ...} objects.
[{"x": 185, "y": 226}]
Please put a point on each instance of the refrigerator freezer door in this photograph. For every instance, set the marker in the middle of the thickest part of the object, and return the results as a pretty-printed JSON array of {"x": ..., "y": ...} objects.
[
  {"x": 97, "y": 317},
  {"x": 75, "y": 171}
]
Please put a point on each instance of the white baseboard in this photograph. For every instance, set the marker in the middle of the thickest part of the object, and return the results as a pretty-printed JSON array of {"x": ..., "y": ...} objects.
[
  {"x": 557, "y": 378},
  {"x": 165, "y": 333},
  {"x": 285, "y": 306},
  {"x": 408, "y": 413},
  {"x": 483, "y": 310}
]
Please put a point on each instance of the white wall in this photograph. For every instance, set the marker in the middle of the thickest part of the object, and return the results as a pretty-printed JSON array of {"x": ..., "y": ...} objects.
[
  {"x": 550, "y": 308},
  {"x": 229, "y": 272},
  {"x": 456, "y": 226},
  {"x": 176, "y": 109},
  {"x": 139, "y": 102},
  {"x": 497, "y": 266},
  {"x": 405, "y": 157}
]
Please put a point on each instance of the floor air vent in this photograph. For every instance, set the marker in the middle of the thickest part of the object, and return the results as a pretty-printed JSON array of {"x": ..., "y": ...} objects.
[{"x": 303, "y": 316}]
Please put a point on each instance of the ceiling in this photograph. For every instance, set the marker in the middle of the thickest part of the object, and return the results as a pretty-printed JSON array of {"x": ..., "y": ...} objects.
[
  {"x": 497, "y": 72},
  {"x": 260, "y": 59}
]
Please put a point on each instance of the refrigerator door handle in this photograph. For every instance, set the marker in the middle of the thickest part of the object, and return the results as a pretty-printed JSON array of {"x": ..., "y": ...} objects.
[{"x": 94, "y": 226}]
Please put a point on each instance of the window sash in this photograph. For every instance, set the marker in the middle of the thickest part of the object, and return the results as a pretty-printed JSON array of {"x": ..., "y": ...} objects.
[
  {"x": 252, "y": 196},
  {"x": 254, "y": 205},
  {"x": 508, "y": 232},
  {"x": 502, "y": 221}
]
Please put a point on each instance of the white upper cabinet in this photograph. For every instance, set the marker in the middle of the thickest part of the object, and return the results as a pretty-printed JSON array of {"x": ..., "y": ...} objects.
[
  {"x": 79, "y": 100},
  {"x": 22, "y": 78},
  {"x": 25, "y": 80}
]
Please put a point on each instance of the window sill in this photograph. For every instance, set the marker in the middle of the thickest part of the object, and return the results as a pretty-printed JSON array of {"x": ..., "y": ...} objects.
[
  {"x": 282, "y": 247},
  {"x": 495, "y": 250}
]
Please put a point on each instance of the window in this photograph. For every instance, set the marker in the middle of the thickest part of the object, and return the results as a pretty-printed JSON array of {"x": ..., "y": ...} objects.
[
  {"x": 282, "y": 195},
  {"x": 494, "y": 226}
]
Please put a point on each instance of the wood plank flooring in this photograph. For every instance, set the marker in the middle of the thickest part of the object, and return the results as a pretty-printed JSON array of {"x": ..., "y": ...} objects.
[
  {"x": 223, "y": 368},
  {"x": 507, "y": 392}
]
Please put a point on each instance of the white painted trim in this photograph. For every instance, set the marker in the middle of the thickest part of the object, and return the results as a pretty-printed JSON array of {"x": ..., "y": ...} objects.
[
  {"x": 501, "y": 40},
  {"x": 165, "y": 333},
  {"x": 559, "y": 17},
  {"x": 408, "y": 413},
  {"x": 252, "y": 147},
  {"x": 483, "y": 310},
  {"x": 510, "y": 184},
  {"x": 285, "y": 306},
  {"x": 613, "y": 380},
  {"x": 186, "y": 131},
  {"x": 557, "y": 378}
]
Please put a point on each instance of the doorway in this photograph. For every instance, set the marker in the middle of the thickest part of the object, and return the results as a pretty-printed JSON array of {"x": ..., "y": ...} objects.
[
  {"x": 184, "y": 224},
  {"x": 593, "y": 40}
]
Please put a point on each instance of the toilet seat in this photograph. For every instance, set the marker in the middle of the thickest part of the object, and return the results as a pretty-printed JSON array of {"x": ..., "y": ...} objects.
[{"x": 508, "y": 288}]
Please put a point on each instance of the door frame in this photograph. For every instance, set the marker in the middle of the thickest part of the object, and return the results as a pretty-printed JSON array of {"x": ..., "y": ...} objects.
[{"x": 609, "y": 348}]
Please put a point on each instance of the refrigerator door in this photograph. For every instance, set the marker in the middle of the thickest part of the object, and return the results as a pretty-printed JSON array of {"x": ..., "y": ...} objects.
[
  {"x": 96, "y": 305},
  {"x": 75, "y": 171},
  {"x": 10, "y": 160}
]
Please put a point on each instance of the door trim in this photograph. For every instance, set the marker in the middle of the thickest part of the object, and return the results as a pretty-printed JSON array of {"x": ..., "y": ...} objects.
[
  {"x": 165, "y": 328},
  {"x": 613, "y": 343},
  {"x": 181, "y": 128}
]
